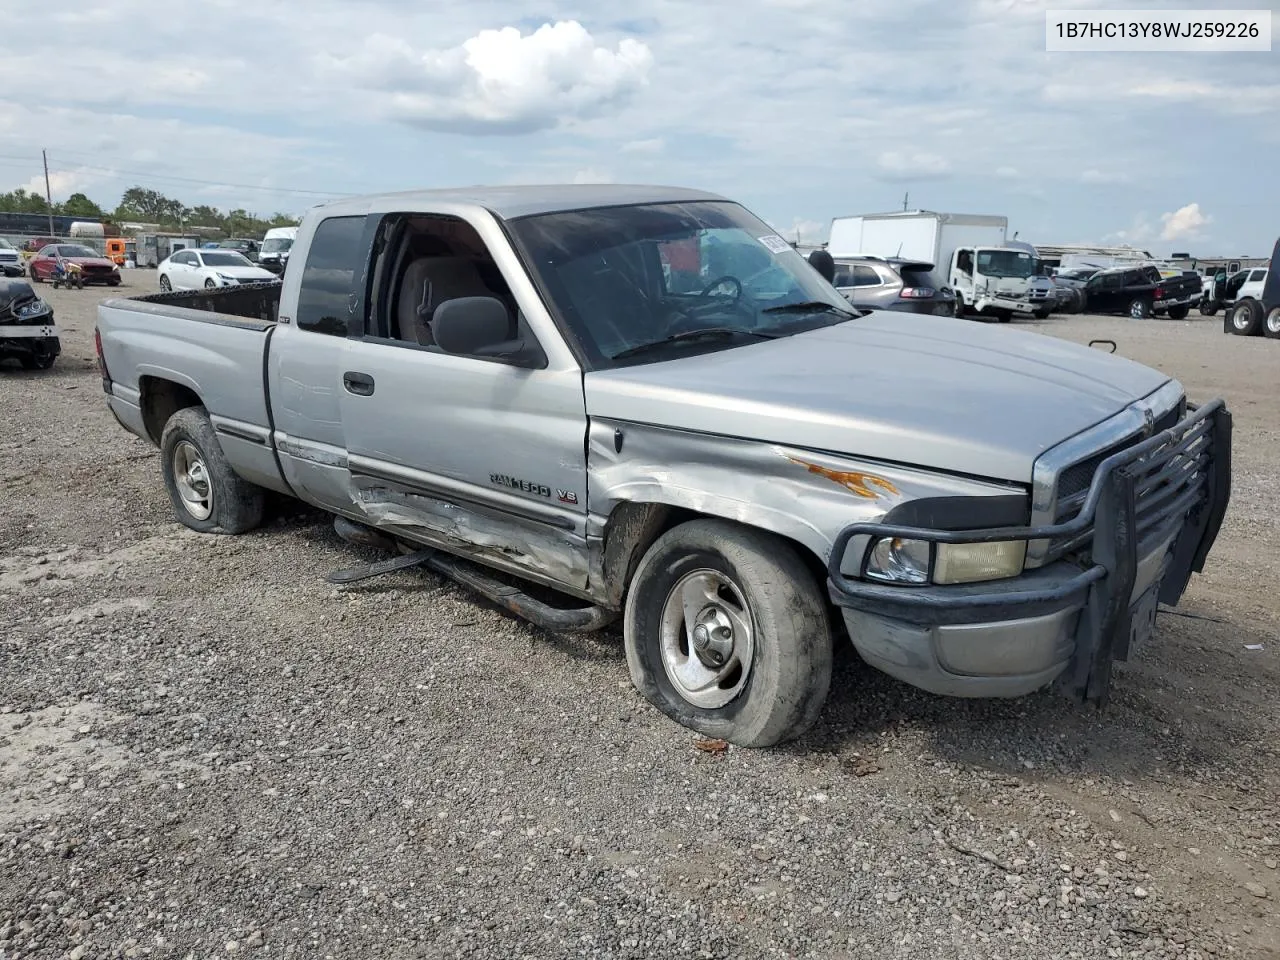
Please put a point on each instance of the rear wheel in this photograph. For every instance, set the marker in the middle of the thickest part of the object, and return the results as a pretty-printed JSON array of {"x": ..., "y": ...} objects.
[
  {"x": 1245, "y": 318},
  {"x": 726, "y": 633},
  {"x": 1041, "y": 314},
  {"x": 1271, "y": 326},
  {"x": 1179, "y": 312},
  {"x": 207, "y": 495},
  {"x": 38, "y": 361},
  {"x": 1139, "y": 309}
]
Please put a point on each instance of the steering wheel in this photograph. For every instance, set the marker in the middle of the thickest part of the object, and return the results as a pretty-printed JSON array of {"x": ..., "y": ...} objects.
[
  {"x": 688, "y": 317},
  {"x": 737, "y": 287}
]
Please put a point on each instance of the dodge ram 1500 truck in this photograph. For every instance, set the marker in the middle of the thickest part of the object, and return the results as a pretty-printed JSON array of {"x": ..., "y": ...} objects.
[{"x": 588, "y": 402}]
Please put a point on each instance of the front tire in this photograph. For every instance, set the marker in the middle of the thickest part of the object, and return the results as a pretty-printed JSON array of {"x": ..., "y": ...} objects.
[
  {"x": 1139, "y": 309},
  {"x": 210, "y": 284},
  {"x": 960, "y": 308},
  {"x": 207, "y": 495},
  {"x": 165, "y": 285},
  {"x": 727, "y": 634},
  {"x": 1208, "y": 308},
  {"x": 1245, "y": 318},
  {"x": 1041, "y": 314}
]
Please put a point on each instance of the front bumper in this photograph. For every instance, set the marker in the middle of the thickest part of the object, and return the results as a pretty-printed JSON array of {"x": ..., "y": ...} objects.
[
  {"x": 13, "y": 269},
  {"x": 1152, "y": 514}
]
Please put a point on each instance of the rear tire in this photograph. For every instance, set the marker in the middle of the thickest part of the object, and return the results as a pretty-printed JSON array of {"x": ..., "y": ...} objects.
[
  {"x": 1245, "y": 318},
  {"x": 1179, "y": 312},
  {"x": 207, "y": 495},
  {"x": 41, "y": 361},
  {"x": 1271, "y": 326},
  {"x": 1041, "y": 314},
  {"x": 765, "y": 634}
]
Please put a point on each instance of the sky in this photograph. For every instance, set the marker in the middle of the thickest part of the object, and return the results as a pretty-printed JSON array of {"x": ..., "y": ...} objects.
[{"x": 800, "y": 109}]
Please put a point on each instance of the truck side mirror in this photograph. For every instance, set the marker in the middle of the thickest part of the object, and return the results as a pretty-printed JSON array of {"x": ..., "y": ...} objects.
[{"x": 482, "y": 327}]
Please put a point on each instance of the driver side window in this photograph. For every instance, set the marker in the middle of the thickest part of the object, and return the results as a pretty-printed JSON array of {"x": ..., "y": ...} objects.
[{"x": 427, "y": 261}]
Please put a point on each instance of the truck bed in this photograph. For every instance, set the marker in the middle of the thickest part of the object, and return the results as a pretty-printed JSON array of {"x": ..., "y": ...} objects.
[{"x": 162, "y": 348}]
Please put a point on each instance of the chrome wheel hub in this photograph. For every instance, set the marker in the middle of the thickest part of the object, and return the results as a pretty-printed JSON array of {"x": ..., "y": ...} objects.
[
  {"x": 192, "y": 480},
  {"x": 708, "y": 641}
]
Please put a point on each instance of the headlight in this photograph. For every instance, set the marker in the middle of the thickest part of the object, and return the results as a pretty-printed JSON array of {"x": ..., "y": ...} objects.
[
  {"x": 972, "y": 562},
  {"x": 225, "y": 279},
  {"x": 34, "y": 308},
  {"x": 897, "y": 560}
]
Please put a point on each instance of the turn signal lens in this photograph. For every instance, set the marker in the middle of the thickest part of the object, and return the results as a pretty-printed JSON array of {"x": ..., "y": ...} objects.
[{"x": 974, "y": 562}]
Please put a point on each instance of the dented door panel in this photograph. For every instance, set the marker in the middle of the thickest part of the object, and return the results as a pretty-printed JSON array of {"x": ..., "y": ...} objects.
[{"x": 486, "y": 458}]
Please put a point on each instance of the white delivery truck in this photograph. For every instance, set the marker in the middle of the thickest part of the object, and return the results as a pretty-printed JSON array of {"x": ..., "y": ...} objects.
[{"x": 969, "y": 253}]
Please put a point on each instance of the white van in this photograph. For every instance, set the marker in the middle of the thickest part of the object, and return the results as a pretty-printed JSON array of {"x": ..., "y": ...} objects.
[{"x": 276, "y": 244}]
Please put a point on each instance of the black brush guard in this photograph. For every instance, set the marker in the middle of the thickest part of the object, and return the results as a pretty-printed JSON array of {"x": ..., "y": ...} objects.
[{"x": 1179, "y": 477}]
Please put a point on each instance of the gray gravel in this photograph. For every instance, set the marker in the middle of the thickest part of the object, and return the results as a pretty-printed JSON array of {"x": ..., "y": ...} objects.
[{"x": 206, "y": 750}]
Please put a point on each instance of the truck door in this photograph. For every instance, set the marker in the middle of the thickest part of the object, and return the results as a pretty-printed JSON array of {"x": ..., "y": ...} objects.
[
  {"x": 304, "y": 359},
  {"x": 470, "y": 453}
]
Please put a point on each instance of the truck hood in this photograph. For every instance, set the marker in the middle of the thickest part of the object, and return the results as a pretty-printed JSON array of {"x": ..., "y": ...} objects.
[{"x": 939, "y": 393}]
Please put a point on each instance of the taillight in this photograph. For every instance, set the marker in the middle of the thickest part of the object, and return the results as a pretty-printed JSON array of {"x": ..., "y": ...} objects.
[
  {"x": 1159, "y": 293},
  {"x": 917, "y": 293},
  {"x": 102, "y": 361}
]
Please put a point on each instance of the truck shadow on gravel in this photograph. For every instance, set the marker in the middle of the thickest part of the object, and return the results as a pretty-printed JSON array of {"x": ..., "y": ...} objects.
[{"x": 1174, "y": 705}]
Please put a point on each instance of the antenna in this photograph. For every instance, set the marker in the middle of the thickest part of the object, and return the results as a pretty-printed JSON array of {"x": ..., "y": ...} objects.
[{"x": 899, "y": 253}]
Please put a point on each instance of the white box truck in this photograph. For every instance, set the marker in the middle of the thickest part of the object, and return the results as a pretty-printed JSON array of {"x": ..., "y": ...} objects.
[{"x": 969, "y": 252}]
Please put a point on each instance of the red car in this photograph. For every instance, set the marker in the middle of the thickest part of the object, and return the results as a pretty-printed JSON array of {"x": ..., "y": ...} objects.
[{"x": 94, "y": 268}]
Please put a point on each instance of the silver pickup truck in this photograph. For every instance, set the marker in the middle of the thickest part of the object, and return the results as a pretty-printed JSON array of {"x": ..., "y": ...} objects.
[{"x": 588, "y": 402}]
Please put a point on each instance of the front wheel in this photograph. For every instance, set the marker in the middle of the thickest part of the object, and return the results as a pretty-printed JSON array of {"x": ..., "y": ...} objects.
[
  {"x": 1245, "y": 318},
  {"x": 960, "y": 311},
  {"x": 1208, "y": 308},
  {"x": 210, "y": 284},
  {"x": 726, "y": 633},
  {"x": 165, "y": 285},
  {"x": 1271, "y": 326},
  {"x": 1041, "y": 314},
  {"x": 207, "y": 495},
  {"x": 1139, "y": 309}
]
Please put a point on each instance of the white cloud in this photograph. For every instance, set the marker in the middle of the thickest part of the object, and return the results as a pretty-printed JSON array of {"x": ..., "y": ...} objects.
[
  {"x": 63, "y": 183},
  {"x": 895, "y": 165},
  {"x": 1184, "y": 223},
  {"x": 499, "y": 81},
  {"x": 1008, "y": 173}
]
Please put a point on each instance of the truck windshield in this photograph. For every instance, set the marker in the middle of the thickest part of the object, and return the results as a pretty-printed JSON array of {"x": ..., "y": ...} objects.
[
  {"x": 631, "y": 284},
  {"x": 276, "y": 245},
  {"x": 1006, "y": 263}
]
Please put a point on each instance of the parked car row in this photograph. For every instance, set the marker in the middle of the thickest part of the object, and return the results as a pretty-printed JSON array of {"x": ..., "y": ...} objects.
[{"x": 207, "y": 269}]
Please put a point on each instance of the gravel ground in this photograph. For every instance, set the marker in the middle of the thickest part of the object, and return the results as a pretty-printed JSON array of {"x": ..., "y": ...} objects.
[{"x": 206, "y": 749}]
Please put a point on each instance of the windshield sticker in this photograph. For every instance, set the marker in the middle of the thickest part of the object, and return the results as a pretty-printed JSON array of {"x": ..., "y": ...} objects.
[{"x": 775, "y": 243}]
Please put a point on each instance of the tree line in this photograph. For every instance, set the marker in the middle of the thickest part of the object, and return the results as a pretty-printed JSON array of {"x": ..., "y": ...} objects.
[{"x": 148, "y": 206}]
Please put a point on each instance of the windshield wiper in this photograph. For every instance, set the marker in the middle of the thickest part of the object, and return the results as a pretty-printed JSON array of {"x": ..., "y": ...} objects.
[
  {"x": 808, "y": 306},
  {"x": 705, "y": 333}
]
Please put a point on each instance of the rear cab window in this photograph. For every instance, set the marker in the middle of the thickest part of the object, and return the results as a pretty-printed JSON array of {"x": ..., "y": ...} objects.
[{"x": 325, "y": 298}]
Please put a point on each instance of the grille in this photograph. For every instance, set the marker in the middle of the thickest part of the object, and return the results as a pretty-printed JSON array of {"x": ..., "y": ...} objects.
[{"x": 1074, "y": 481}]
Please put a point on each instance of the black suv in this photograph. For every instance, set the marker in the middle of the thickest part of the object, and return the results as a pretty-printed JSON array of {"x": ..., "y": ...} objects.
[{"x": 872, "y": 283}]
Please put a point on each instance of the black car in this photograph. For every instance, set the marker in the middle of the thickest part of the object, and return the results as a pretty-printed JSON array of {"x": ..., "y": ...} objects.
[
  {"x": 27, "y": 331},
  {"x": 1141, "y": 292},
  {"x": 872, "y": 283}
]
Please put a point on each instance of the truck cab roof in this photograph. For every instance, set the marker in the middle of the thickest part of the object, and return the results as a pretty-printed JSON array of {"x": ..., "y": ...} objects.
[{"x": 510, "y": 203}]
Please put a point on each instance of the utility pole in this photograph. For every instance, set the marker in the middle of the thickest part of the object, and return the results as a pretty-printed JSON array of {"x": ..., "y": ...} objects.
[
  {"x": 48, "y": 194},
  {"x": 905, "y": 198}
]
